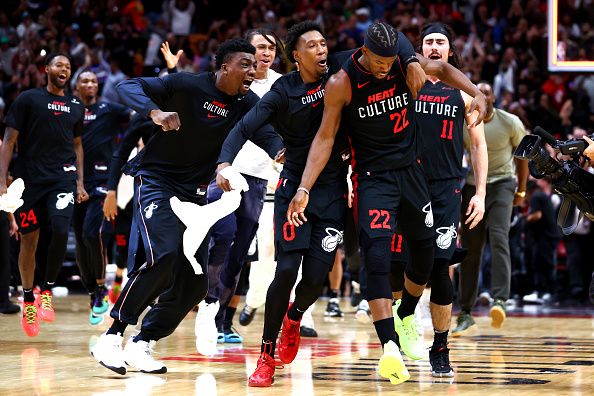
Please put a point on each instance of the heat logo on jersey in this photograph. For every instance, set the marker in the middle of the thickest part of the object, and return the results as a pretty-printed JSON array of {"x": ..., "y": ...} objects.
[
  {"x": 148, "y": 211},
  {"x": 216, "y": 109},
  {"x": 69, "y": 168},
  {"x": 313, "y": 96},
  {"x": 445, "y": 235},
  {"x": 58, "y": 107},
  {"x": 332, "y": 239},
  {"x": 428, "y": 215},
  {"x": 429, "y": 104},
  {"x": 382, "y": 102},
  {"x": 64, "y": 199}
]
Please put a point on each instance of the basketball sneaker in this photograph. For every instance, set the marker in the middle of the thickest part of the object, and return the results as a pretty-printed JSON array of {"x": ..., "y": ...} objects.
[
  {"x": 139, "y": 354},
  {"x": 108, "y": 352},
  {"x": 263, "y": 376},
  {"x": 391, "y": 365},
  {"x": 465, "y": 324},
  {"x": 247, "y": 315},
  {"x": 333, "y": 309},
  {"x": 205, "y": 328},
  {"x": 114, "y": 292},
  {"x": 497, "y": 313},
  {"x": 231, "y": 336},
  {"x": 45, "y": 307},
  {"x": 440, "y": 362},
  {"x": 100, "y": 306},
  {"x": 29, "y": 323},
  {"x": 94, "y": 319},
  {"x": 288, "y": 342},
  {"x": 307, "y": 328},
  {"x": 410, "y": 340},
  {"x": 363, "y": 314}
]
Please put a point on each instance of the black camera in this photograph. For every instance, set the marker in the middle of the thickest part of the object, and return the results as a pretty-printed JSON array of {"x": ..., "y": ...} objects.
[{"x": 568, "y": 178}]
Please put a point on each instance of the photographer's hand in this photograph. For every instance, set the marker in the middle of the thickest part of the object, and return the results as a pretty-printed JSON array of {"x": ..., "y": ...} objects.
[{"x": 589, "y": 151}]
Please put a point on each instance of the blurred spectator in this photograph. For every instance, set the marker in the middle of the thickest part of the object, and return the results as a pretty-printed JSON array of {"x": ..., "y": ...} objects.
[
  {"x": 542, "y": 237},
  {"x": 179, "y": 14}
]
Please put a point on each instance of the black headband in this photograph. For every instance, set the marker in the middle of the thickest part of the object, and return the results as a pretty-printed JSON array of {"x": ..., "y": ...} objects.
[
  {"x": 436, "y": 28},
  {"x": 378, "y": 49}
]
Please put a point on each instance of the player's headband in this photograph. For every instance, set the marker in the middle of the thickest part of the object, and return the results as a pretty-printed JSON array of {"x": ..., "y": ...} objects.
[
  {"x": 436, "y": 28},
  {"x": 379, "y": 39}
]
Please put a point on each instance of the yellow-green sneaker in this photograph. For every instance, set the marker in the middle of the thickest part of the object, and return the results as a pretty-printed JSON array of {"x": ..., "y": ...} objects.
[
  {"x": 497, "y": 313},
  {"x": 391, "y": 365},
  {"x": 411, "y": 342}
]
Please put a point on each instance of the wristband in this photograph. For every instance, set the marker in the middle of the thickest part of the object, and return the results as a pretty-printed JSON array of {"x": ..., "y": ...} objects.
[
  {"x": 521, "y": 194},
  {"x": 305, "y": 190},
  {"x": 411, "y": 60}
]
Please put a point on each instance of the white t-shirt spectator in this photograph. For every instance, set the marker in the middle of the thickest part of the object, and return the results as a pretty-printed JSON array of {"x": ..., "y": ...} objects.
[
  {"x": 181, "y": 19},
  {"x": 251, "y": 159}
]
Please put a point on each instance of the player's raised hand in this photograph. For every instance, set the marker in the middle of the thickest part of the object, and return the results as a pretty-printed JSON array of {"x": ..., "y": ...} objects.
[
  {"x": 479, "y": 103},
  {"x": 168, "y": 120},
  {"x": 170, "y": 59}
]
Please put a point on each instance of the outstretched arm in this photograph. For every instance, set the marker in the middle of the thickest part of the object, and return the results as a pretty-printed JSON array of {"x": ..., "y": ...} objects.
[
  {"x": 479, "y": 158},
  {"x": 455, "y": 78},
  {"x": 338, "y": 94}
]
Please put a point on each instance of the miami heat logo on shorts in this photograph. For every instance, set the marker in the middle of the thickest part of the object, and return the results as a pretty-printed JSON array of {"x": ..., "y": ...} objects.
[
  {"x": 331, "y": 240},
  {"x": 429, "y": 215},
  {"x": 64, "y": 199},
  {"x": 445, "y": 235},
  {"x": 148, "y": 211}
]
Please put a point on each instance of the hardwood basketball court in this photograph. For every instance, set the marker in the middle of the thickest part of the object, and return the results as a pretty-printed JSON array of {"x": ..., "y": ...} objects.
[{"x": 538, "y": 351}]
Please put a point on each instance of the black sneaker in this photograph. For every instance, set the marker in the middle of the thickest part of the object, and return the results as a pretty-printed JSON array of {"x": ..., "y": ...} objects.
[
  {"x": 9, "y": 308},
  {"x": 440, "y": 362},
  {"x": 308, "y": 332},
  {"x": 247, "y": 315},
  {"x": 333, "y": 309}
]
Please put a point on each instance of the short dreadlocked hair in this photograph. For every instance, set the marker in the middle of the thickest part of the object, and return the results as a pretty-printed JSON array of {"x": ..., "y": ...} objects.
[
  {"x": 230, "y": 47},
  {"x": 297, "y": 31},
  {"x": 382, "y": 39}
]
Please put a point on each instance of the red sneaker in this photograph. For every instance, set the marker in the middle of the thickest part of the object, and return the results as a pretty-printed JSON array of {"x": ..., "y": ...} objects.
[
  {"x": 263, "y": 376},
  {"x": 288, "y": 343},
  {"x": 29, "y": 323},
  {"x": 114, "y": 292},
  {"x": 45, "y": 306}
]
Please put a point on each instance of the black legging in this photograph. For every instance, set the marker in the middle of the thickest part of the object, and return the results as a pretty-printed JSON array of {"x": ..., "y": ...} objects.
[
  {"x": 314, "y": 272},
  {"x": 90, "y": 251},
  {"x": 56, "y": 251}
]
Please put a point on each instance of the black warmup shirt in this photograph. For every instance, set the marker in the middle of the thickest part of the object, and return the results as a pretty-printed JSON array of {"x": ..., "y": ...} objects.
[
  {"x": 138, "y": 128},
  {"x": 189, "y": 156},
  {"x": 47, "y": 126},
  {"x": 295, "y": 110},
  {"x": 379, "y": 119},
  {"x": 101, "y": 125},
  {"x": 439, "y": 114}
]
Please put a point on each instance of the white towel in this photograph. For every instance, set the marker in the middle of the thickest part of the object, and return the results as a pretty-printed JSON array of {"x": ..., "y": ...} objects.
[
  {"x": 11, "y": 201},
  {"x": 199, "y": 219}
]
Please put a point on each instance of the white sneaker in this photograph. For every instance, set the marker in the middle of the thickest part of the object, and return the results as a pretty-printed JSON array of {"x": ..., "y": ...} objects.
[
  {"x": 206, "y": 329},
  {"x": 363, "y": 314},
  {"x": 139, "y": 355},
  {"x": 108, "y": 352},
  {"x": 532, "y": 298},
  {"x": 485, "y": 298},
  {"x": 307, "y": 319}
]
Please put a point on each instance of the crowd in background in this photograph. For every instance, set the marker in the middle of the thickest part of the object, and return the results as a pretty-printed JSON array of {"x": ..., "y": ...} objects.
[{"x": 502, "y": 42}]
